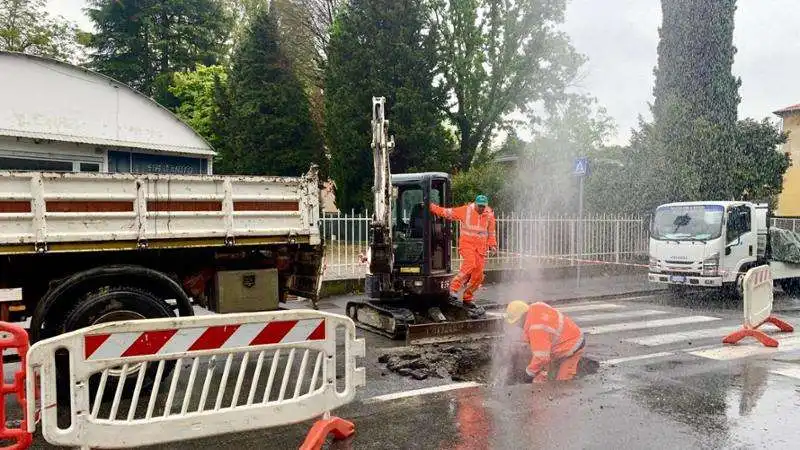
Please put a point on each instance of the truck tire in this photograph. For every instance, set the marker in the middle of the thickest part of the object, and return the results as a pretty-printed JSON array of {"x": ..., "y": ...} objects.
[
  {"x": 110, "y": 304},
  {"x": 791, "y": 286}
]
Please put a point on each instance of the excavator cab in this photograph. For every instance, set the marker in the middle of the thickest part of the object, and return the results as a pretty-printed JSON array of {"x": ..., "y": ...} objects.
[
  {"x": 409, "y": 269},
  {"x": 421, "y": 241}
]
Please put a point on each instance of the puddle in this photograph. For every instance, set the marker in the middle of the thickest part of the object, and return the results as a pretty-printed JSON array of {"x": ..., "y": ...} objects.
[{"x": 481, "y": 362}]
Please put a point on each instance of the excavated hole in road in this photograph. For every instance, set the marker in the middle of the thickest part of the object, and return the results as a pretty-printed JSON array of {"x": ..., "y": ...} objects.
[{"x": 466, "y": 362}]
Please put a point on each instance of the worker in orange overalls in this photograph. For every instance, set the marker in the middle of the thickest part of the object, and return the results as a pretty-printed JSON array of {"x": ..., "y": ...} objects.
[
  {"x": 477, "y": 236},
  {"x": 556, "y": 342}
]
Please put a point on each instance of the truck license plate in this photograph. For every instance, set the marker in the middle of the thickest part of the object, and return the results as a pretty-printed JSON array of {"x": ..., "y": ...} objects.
[{"x": 678, "y": 279}]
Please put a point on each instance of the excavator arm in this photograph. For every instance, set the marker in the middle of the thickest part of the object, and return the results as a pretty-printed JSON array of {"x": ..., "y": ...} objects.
[{"x": 381, "y": 252}]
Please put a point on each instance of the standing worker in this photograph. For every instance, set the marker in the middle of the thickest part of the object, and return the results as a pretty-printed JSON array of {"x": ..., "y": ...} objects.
[
  {"x": 556, "y": 342},
  {"x": 477, "y": 228}
]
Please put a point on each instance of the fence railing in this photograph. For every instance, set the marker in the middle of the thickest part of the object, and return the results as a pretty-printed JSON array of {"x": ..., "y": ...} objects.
[{"x": 523, "y": 241}]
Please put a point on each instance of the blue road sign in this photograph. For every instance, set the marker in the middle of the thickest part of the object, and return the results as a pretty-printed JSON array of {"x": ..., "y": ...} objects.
[{"x": 581, "y": 167}]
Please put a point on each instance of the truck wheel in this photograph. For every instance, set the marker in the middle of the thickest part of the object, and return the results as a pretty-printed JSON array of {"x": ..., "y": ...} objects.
[
  {"x": 111, "y": 304},
  {"x": 791, "y": 286}
]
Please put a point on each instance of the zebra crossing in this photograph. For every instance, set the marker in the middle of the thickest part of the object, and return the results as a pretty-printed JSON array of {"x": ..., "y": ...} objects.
[{"x": 652, "y": 333}]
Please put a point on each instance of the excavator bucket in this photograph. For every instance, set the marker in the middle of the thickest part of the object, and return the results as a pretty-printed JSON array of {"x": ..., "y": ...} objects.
[{"x": 458, "y": 331}]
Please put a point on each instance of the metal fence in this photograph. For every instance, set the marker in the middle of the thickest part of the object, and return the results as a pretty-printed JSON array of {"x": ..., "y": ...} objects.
[{"x": 523, "y": 241}]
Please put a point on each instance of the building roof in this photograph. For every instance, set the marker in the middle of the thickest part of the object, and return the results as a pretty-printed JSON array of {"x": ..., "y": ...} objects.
[
  {"x": 51, "y": 100},
  {"x": 781, "y": 112}
]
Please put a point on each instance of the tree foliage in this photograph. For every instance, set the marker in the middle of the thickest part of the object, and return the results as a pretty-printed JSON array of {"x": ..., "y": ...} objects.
[
  {"x": 26, "y": 27},
  {"x": 382, "y": 48},
  {"x": 268, "y": 130},
  {"x": 143, "y": 42},
  {"x": 198, "y": 104},
  {"x": 695, "y": 56},
  {"x": 499, "y": 56},
  {"x": 695, "y": 149},
  {"x": 489, "y": 179}
]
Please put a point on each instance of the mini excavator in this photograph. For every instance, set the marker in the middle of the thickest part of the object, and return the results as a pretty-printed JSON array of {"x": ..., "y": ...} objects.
[{"x": 409, "y": 256}]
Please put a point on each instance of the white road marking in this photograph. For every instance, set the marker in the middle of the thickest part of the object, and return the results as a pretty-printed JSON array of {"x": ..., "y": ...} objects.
[
  {"x": 629, "y": 326},
  {"x": 617, "y": 315},
  {"x": 611, "y": 362},
  {"x": 671, "y": 338},
  {"x": 588, "y": 307},
  {"x": 787, "y": 370},
  {"x": 423, "y": 391},
  {"x": 787, "y": 342}
]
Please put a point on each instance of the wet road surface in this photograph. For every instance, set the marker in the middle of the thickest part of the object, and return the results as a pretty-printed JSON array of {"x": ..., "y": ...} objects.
[{"x": 666, "y": 381}]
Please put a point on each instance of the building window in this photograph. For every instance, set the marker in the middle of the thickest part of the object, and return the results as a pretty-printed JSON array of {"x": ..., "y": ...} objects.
[
  {"x": 146, "y": 163},
  {"x": 89, "y": 167},
  {"x": 42, "y": 165}
]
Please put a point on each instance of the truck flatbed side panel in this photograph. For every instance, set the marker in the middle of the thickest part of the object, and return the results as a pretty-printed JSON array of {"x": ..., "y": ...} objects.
[
  {"x": 88, "y": 212},
  {"x": 782, "y": 270}
]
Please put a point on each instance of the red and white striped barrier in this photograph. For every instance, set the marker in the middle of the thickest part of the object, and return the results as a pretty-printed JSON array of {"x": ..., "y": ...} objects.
[
  {"x": 757, "y": 300},
  {"x": 177, "y": 340},
  {"x": 150, "y": 382}
]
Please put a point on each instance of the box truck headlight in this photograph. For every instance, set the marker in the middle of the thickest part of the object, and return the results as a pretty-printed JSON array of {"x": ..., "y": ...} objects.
[
  {"x": 654, "y": 267},
  {"x": 711, "y": 266}
]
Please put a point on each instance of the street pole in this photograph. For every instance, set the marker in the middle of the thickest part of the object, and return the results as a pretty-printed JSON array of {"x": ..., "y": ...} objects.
[{"x": 580, "y": 231}]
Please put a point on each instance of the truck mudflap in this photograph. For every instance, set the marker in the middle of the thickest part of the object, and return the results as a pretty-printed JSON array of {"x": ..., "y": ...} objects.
[{"x": 306, "y": 279}]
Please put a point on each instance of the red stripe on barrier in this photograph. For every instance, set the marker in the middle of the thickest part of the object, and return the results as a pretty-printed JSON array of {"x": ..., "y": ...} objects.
[
  {"x": 274, "y": 332},
  {"x": 319, "y": 333},
  {"x": 149, "y": 343},
  {"x": 92, "y": 342},
  {"x": 213, "y": 337}
]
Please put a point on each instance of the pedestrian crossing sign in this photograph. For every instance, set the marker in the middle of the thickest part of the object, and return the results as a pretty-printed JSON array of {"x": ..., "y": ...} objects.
[{"x": 581, "y": 167}]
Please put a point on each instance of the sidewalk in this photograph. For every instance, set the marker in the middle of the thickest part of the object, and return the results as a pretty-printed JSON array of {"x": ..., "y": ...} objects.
[{"x": 540, "y": 289}]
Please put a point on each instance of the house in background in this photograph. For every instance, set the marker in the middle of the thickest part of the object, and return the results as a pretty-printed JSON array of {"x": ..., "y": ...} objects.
[
  {"x": 58, "y": 117},
  {"x": 789, "y": 199}
]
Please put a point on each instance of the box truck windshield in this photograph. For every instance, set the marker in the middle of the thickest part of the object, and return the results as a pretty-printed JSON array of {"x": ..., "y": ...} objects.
[{"x": 687, "y": 222}]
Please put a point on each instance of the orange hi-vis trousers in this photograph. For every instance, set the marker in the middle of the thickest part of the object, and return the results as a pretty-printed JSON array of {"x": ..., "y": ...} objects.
[
  {"x": 477, "y": 234},
  {"x": 470, "y": 273}
]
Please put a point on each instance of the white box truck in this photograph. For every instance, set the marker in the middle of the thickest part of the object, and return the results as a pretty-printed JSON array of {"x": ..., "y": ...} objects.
[
  {"x": 78, "y": 249},
  {"x": 713, "y": 244}
]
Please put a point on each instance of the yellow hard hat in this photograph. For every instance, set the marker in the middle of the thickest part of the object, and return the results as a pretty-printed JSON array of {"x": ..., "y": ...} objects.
[{"x": 515, "y": 311}]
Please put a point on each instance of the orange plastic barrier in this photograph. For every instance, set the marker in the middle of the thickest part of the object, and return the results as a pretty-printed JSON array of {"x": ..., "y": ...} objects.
[
  {"x": 340, "y": 428},
  {"x": 14, "y": 337}
]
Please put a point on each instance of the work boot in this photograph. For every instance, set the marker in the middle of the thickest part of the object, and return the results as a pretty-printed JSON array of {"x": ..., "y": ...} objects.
[
  {"x": 453, "y": 300},
  {"x": 474, "y": 310}
]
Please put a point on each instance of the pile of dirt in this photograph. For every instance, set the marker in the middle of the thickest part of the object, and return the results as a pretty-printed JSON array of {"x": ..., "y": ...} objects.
[
  {"x": 458, "y": 362},
  {"x": 466, "y": 362}
]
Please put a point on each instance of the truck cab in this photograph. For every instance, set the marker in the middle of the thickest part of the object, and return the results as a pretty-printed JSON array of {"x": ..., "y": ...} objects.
[{"x": 707, "y": 244}]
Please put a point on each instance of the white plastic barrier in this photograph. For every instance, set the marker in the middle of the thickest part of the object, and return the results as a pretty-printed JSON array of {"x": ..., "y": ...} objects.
[
  {"x": 757, "y": 301},
  {"x": 229, "y": 373},
  {"x": 757, "y": 296}
]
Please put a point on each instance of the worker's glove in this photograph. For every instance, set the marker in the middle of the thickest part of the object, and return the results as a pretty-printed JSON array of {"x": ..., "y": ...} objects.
[{"x": 492, "y": 250}]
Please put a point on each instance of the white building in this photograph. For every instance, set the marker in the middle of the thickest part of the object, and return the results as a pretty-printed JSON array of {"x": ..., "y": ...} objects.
[{"x": 59, "y": 117}]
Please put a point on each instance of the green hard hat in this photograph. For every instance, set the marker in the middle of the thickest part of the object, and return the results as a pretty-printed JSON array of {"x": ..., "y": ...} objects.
[{"x": 481, "y": 200}]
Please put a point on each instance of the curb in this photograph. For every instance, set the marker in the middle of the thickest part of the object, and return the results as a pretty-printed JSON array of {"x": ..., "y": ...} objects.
[{"x": 559, "y": 301}]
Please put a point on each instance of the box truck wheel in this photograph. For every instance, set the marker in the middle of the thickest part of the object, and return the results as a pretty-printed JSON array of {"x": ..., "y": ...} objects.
[
  {"x": 112, "y": 304},
  {"x": 791, "y": 286}
]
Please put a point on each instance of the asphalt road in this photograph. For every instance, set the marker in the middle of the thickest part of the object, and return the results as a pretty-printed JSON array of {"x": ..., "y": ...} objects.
[{"x": 666, "y": 381}]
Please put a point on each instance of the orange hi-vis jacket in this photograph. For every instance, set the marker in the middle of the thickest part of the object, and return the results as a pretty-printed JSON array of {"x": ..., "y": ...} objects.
[
  {"x": 551, "y": 335},
  {"x": 476, "y": 230}
]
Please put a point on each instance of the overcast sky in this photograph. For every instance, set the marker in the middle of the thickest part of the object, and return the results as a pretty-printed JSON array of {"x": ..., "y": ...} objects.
[{"x": 620, "y": 37}]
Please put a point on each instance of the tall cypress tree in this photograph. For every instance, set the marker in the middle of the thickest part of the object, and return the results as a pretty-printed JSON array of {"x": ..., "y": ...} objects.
[
  {"x": 382, "y": 48},
  {"x": 695, "y": 57},
  {"x": 268, "y": 127}
]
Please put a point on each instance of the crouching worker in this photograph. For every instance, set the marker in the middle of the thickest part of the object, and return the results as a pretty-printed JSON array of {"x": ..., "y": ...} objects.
[{"x": 556, "y": 342}]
